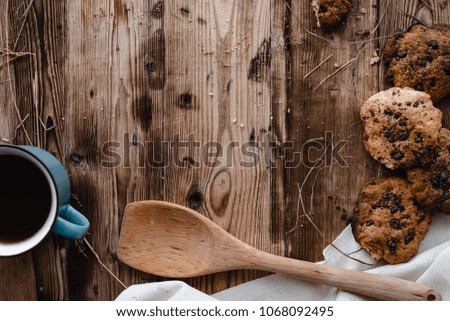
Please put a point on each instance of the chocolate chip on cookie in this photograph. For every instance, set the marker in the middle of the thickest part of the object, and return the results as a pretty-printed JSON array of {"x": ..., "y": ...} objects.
[
  {"x": 401, "y": 127},
  {"x": 420, "y": 59},
  {"x": 330, "y": 13},
  {"x": 431, "y": 185},
  {"x": 387, "y": 223}
]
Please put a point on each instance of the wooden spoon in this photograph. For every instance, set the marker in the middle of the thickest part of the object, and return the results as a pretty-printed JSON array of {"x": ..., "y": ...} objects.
[{"x": 174, "y": 241}]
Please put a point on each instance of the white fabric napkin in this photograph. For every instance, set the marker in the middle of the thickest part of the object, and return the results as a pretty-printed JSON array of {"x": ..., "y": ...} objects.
[{"x": 430, "y": 266}]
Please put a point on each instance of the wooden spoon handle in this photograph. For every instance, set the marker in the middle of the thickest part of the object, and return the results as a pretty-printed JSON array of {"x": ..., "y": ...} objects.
[{"x": 367, "y": 284}]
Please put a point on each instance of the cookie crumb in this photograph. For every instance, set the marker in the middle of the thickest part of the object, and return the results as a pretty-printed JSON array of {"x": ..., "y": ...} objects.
[{"x": 329, "y": 13}]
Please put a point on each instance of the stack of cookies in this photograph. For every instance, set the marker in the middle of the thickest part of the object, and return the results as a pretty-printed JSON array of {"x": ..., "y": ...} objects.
[{"x": 402, "y": 130}]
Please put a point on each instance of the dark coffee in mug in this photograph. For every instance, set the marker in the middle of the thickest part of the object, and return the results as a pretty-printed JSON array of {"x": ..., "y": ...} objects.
[{"x": 25, "y": 199}]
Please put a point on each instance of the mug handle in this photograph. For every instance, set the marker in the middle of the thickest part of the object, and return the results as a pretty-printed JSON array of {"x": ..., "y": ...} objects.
[{"x": 71, "y": 224}]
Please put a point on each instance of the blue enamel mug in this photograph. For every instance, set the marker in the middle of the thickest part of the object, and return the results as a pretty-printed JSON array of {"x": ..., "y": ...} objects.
[{"x": 34, "y": 200}]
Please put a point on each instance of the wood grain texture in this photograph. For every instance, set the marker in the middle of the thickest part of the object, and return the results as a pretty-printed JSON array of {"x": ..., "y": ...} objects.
[
  {"x": 216, "y": 49},
  {"x": 38, "y": 95},
  {"x": 110, "y": 83},
  {"x": 8, "y": 121},
  {"x": 112, "y": 97},
  {"x": 324, "y": 124}
]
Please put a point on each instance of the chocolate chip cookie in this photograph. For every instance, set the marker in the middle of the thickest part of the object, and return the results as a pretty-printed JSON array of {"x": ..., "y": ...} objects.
[
  {"x": 330, "y": 13},
  {"x": 420, "y": 59},
  {"x": 401, "y": 127},
  {"x": 386, "y": 221},
  {"x": 431, "y": 185}
]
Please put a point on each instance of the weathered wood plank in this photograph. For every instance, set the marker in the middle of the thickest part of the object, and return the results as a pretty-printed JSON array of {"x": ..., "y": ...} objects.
[
  {"x": 9, "y": 119},
  {"x": 92, "y": 107},
  {"x": 115, "y": 74},
  {"x": 38, "y": 95},
  {"x": 144, "y": 79},
  {"x": 19, "y": 270},
  {"x": 281, "y": 92},
  {"x": 218, "y": 92},
  {"x": 324, "y": 124},
  {"x": 101, "y": 70}
]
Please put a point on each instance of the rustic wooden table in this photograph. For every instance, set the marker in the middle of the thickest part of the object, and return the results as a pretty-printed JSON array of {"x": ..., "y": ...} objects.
[{"x": 228, "y": 86}]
